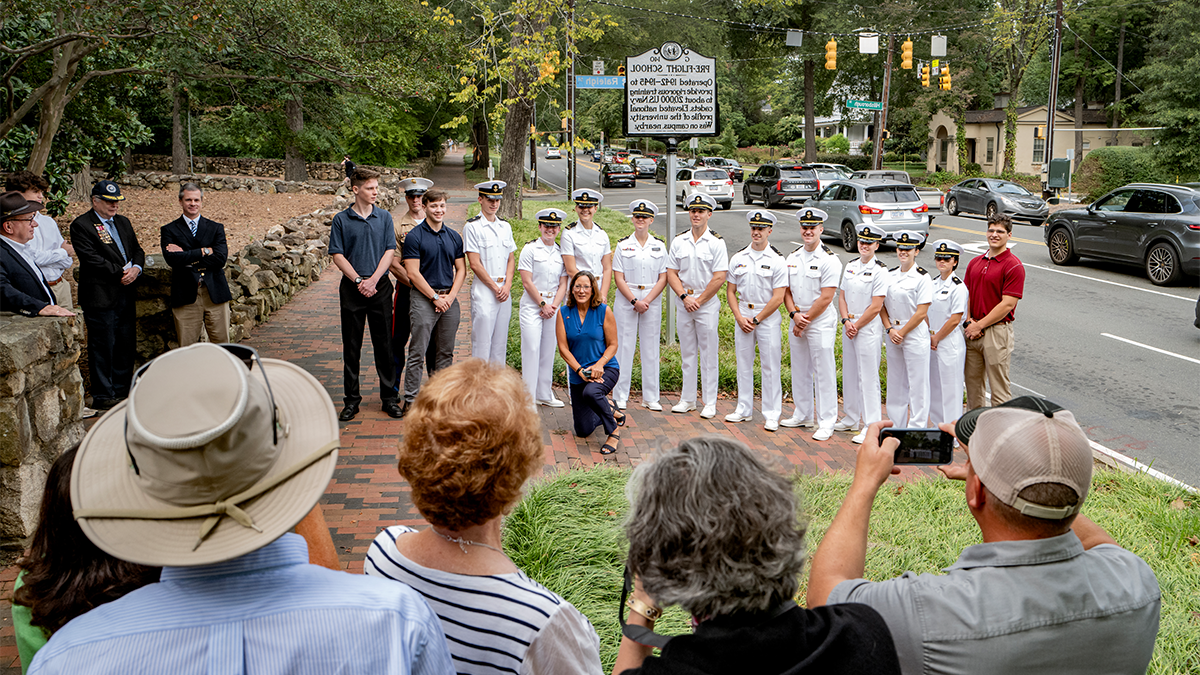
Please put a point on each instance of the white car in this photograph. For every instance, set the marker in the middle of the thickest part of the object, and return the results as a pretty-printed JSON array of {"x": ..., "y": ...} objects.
[
  {"x": 713, "y": 182},
  {"x": 553, "y": 153}
]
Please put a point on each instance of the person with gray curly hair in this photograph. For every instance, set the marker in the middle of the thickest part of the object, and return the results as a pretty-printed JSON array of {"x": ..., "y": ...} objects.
[{"x": 713, "y": 530}]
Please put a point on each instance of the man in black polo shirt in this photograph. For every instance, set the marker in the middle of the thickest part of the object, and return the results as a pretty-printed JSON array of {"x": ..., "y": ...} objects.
[
  {"x": 362, "y": 242},
  {"x": 436, "y": 264}
]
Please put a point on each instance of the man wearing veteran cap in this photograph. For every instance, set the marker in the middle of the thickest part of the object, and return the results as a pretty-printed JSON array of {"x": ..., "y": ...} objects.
[
  {"x": 757, "y": 279},
  {"x": 110, "y": 262},
  {"x": 23, "y": 287},
  {"x": 813, "y": 272},
  {"x": 585, "y": 245},
  {"x": 414, "y": 191},
  {"x": 207, "y": 481},
  {"x": 1048, "y": 590},
  {"x": 640, "y": 273},
  {"x": 491, "y": 253},
  {"x": 697, "y": 264}
]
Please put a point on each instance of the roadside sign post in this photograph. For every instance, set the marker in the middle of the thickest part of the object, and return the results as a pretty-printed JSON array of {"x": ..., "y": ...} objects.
[{"x": 670, "y": 229}]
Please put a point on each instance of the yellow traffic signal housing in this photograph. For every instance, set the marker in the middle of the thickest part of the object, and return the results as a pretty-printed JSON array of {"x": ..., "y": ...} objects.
[
  {"x": 621, "y": 71},
  {"x": 924, "y": 76},
  {"x": 831, "y": 55},
  {"x": 906, "y": 55},
  {"x": 886, "y": 134},
  {"x": 1039, "y": 131},
  {"x": 944, "y": 82}
]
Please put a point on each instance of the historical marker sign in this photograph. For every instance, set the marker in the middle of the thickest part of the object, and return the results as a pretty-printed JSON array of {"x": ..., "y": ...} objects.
[{"x": 671, "y": 91}]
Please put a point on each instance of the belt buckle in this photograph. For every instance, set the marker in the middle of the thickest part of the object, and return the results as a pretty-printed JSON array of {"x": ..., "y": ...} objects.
[
  {"x": 690, "y": 292},
  {"x": 751, "y": 305}
]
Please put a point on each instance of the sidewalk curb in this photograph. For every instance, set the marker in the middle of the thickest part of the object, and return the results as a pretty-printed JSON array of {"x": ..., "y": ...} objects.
[{"x": 1115, "y": 460}]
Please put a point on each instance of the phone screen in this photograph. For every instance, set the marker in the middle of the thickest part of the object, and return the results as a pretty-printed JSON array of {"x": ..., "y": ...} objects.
[{"x": 921, "y": 446}]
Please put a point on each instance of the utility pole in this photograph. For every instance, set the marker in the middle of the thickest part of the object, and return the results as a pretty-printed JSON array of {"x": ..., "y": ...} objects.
[
  {"x": 1055, "y": 59},
  {"x": 571, "y": 97},
  {"x": 877, "y": 146}
]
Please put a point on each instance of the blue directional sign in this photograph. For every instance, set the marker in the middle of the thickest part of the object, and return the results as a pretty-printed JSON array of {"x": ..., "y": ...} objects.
[{"x": 599, "y": 82}]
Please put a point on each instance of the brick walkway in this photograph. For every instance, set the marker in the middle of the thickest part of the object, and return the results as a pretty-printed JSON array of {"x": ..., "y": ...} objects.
[{"x": 367, "y": 493}]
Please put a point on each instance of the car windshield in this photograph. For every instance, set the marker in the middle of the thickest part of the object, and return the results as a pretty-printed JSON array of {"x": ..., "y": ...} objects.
[
  {"x": 645, "y": 162},
  {"x": 620, "y": 168},
  {"x": 1009, "y": 189},
  {"x": 892, "y": 194},
  {"x": 711, "y": 175},
  {"x": 797, "y": 173}
]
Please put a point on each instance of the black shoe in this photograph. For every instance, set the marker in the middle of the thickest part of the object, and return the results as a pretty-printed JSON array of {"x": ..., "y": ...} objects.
[
  {"x": 393, "y": 409},
  {"x": 404, "y": 409},
  {"x": 103, "y": 404},
  {"x": 348, "y": 413}
]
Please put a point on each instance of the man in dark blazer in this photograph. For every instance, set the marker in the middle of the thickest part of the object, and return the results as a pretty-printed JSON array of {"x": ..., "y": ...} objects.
[
  {"x": 23, "y": 289},
  {"x": 110, "y": 262},
  {"x": 195, "y": 248}
]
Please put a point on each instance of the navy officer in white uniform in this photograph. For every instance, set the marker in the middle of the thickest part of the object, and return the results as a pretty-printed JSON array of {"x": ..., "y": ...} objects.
[
  {"x": 640, "y": 275},
  {"x": 813, "y": 273},
  {"x": 585, "y": 245},
  {"x": 757, "y": 283},
  {"x": 491, "y": 253},
  {"x": 863, "y": 288},
  {"x": 697, "y": 263},
  {"x": 545, "y": 282},
  {"x": 909, "y": 294},
  {"x": 949, "y": 345}
]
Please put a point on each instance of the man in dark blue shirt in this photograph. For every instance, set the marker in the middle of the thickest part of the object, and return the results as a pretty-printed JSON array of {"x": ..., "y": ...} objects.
[
  {"x": 362, "y": 242},
  {"x": 436, "y": 264}
]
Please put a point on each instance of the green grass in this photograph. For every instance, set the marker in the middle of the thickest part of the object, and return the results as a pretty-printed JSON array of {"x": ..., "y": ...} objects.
[{"x": 566, "y": 534}]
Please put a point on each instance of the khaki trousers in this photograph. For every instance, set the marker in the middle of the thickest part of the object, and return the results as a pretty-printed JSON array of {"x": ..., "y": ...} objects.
[
  {"x": 202, "y": 315},
  {"x": 988, "y": 357},
  {"x": 62, "y": 293}
]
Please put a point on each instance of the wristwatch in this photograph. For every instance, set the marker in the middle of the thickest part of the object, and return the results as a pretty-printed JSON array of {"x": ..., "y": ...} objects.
[
  {"x": 844, "y": 320},
  {"x": 542, "y": 303},
  {"x": 792, "y": 314},
  {"x": 358, "y": 280},
  {"x": 633, "y": 302},
  {"x": 683, "y": 296},
  {"x": 754, "y": 320}
]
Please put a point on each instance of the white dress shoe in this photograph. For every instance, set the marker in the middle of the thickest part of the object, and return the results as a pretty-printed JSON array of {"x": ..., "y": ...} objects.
[
  {"x": 620, "y": 405},
  {"x": 842, "y": 426},
  {"x": 709, "y": 412},
  {"x": 793, "y": 422},
  {"x": 823, "y": 434},
  {"x": 551, "y": 402},
  {"x": 683, "y": 406},
  {"x": 771, "y": 425},
  {"x": 735, "y": 418},
  {"x": 858, "y": 440},
  {"x": 654, "y": 406}
]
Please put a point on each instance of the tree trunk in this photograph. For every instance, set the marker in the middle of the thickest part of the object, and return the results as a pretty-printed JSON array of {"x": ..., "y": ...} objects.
[
  {"x": 81, "y": 186},
  {"x": 810, "y": 122},
  {"x": 1079, "y": 104},
  {"x": 512, "y": 158},
  {"x": 479, "y": 139},
  {"x": 1010, "y": 135},
  {"x": 1120, "y": 65},
  {"x": 179, "y": 155},
  {"x": 50, "y": 110},
  {"x": 293, "y": 157},
  {"x": 960, "y": 137}
]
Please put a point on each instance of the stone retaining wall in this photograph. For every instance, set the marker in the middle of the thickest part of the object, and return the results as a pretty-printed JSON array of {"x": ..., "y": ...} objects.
[
  {"x": 41, "y": 393},
  {"x": 272, "y": 169}
]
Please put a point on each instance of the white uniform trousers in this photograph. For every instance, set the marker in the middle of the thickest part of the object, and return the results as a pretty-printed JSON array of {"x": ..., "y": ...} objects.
[
  {"x": 860, "y": 375},
  {"x": 908, "y": 379},
  {"x": 698, "y": 341},
  {"x": 632, "y": 327},
  {"x": 538, "y": 347},
  {"x": 814, "y": 374},
  {"x": 489, "y": 324},
  {"x": 946, "y": 383},
  {"x": 770, "y": 353}
]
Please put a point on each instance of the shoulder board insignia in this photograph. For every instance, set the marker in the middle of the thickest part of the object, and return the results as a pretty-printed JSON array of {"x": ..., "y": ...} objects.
[
  {"x": 532, "y": 240},
  {"x": 777, "y": 251},
  {"x": 826, "y": 248},
  {"x": 630, "y": 237},
  {"x": 922, "y": 270},
  {"x": 598, "y": 226},
  {"x": 477, "y": 217},
  {"x": 656, "y": 237},
  {"x": 797, "y": 250},
  {"x": 573, "y": 224},
  {"x": 880, "y": 263},
  {"x": 744, "y": 248},
  {"x": 956, "y": 280},
  {"x": 893, "y": 269},
  {"x": 714, "y": 233}
]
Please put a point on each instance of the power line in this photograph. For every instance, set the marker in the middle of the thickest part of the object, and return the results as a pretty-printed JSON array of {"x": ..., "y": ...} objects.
[{"x": 1110, "y": 65}]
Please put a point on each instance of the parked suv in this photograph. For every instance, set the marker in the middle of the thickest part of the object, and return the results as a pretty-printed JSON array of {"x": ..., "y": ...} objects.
[
  {"x": 778, "y": 183},
  {"x": 711, "y": 181},
  {"x": 1155, "y": 226},
  {"x": 888, "y": 205}
]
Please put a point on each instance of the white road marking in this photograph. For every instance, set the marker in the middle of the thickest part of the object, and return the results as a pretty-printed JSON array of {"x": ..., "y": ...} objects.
[
  {"x": 1111, "y": 283},
  {"x": 1153, "y": 349},
  {"x": 1025, "y": 388}
]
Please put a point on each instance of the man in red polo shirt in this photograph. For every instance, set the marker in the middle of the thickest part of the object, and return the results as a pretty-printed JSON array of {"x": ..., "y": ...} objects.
[{"x": 995, "y": 282}]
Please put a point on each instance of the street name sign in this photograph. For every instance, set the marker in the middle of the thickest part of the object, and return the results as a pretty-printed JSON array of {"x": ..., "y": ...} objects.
[
  {"x": 671, "y": 91},
  {"x": 865, "y": 105},
  {"x": 599, "y": 82}
]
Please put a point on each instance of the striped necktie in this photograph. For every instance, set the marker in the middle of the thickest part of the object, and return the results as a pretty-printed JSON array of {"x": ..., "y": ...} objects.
[{"x": 192, "y": 226}]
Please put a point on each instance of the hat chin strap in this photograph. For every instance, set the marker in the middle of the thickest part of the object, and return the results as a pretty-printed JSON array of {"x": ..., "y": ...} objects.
[
  {"x": 1046, "y": 512},
  {"x": 216, "y": 510}
]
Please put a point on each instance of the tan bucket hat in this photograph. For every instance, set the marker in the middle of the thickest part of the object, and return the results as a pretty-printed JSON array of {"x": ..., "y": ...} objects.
[{"x": 207, "y": 459}]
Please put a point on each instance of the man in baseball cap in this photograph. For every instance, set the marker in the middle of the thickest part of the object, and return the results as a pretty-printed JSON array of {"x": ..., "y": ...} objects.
[
  {"x": 1048, "y": 591},
  {"x": 207, "y": 480}
]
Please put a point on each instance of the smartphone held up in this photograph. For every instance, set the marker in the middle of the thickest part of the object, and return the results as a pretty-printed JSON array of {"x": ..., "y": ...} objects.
[{"x": 921, "y": 446}]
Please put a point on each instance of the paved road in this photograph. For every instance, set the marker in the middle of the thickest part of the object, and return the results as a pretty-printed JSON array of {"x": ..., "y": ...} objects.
[{"x": 1098, "y": 338}]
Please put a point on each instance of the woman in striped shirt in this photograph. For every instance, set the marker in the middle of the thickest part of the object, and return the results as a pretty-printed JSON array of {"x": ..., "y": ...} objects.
[{"x": 472, "y": 439}]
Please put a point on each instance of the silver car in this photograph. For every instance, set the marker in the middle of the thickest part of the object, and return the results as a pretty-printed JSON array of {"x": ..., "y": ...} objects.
[
  {"x": 989, "y": 196},
  {"x": 888, "y": 205}
]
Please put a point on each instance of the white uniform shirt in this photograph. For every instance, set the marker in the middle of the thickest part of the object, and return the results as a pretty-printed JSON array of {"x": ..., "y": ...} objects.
[
  {"x": 640, "y": 264},
  {"x": 905, "y": 291},
  {"x": 46, "y": 248},
  {"x": 809, "y": 273},
  {"x": 697, "y": 260},
  {"x": 493, "y": 241},
  {"x": 861, "y": 283},
  {"x": 588, "y": 246},
  {"x": 545, "y": 265},
  {"x": 949, "y": 297},
  {"x": 757, "y": 274}
]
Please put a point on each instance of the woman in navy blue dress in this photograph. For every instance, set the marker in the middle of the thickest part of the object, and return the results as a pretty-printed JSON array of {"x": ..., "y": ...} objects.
[{"x": 587, "y": 340}]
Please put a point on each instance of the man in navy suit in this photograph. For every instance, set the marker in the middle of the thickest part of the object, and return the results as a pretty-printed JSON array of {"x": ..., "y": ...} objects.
[
  {"x": 110, "y": 263},
  {"x": 23, "y": 289},
  {"x": 195, "y": 248}
]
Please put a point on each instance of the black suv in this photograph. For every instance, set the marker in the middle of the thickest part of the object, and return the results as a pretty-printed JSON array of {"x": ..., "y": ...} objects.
[
  {"x": 779, "y": 183},
  {"x": 618, "y": 174}
]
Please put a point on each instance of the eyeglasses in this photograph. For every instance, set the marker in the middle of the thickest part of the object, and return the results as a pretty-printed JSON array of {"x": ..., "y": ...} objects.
[{"x": 947, "y": 258}]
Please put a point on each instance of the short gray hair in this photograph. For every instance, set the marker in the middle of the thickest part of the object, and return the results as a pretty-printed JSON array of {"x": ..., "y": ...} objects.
[
  {"x": 190, "y": 187},
  {"x": 712, "y": 529}
]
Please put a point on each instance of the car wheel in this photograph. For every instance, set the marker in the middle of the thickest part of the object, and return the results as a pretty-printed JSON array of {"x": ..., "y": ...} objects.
[
  {"x": 768, "y": 202},
  {"x": 952, "y": 206},
  {"x": 1062, "y": 249},
  {"x": 633, "y": 184},
  {"x": 1162, "y": 265},
  {"x": 849, "y": 238},
  {"x": 991, "y": 210},
  {"x": 746, "y": 195},
  {"x": 727, "y": 205}
]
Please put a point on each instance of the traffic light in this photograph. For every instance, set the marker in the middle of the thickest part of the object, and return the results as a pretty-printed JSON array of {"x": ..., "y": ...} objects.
[
  {"x": 1039, "y": 131},
  {"x": 924, "y": 76},
  {"x": 944, "y": 81},
  {"x": 620, "y": 71},
  {"x": 831, "y": 55},
  {"x": 906, "y": 55},
  {"x": 886, "y": 134}
]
